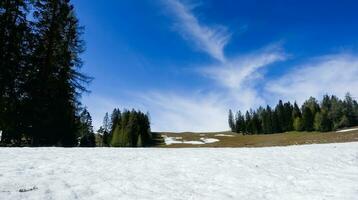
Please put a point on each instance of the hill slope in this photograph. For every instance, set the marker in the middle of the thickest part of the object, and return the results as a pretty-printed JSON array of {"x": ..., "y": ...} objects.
[{"x": 230, "y": 139}]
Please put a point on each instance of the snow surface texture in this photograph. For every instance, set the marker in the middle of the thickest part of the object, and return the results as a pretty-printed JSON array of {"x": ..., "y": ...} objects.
[
  {"x": 179, "y": 140},
  {"x": 325, "y": 171}
]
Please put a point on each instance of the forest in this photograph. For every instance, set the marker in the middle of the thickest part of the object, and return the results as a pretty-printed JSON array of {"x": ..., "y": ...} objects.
[{"x": 330, "y": 114}]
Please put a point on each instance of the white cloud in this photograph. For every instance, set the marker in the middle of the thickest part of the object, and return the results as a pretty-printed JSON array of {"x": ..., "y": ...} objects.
[
  {"x": 212, "y": 40},
  {"x": 191, "y": 112},
  {"x": 197, "y": 111},
  {"x": 240, "y": 76},
  {"x": 332, "y": 74},
  {"x": 240, "y": 71}
]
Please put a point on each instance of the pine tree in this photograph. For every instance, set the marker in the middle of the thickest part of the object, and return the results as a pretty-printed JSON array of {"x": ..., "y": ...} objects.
[
  {"x": 56, "y": 82},
  {"x": 248, "y": 123},
  {"x": 86, "y": 130},
  {"x": 267, "y": 120},
  {"x": 106, "y": 130},
  {"x": 288, "y": 112},
  {"x": 132, "y": 130},
  {"x": 307, "y": 119},
  {"x": 296, "y": 111},
  {"x": 231, "y": 121},
  {"x": 348, "y": 109},
  {"x": 321, "y": 122},
  {"x": 280, "y": 116},
  {"x": 298, "y": 124},
  {"x": 15, "y": 54}
]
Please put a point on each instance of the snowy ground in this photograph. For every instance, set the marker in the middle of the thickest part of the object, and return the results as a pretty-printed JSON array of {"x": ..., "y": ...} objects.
[
  {"x": 325, "y": 171},
  {"x": 179, "y": 140}
]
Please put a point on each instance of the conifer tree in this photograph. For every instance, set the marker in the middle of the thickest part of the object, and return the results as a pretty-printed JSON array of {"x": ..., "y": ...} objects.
[
  {"x": 86, "y": 134},
  {"x": 16, "y": 46},
  {"x": 298, "y": 124},
  {"x": 231, "y": 121},
  {"x": 307, "y": 119},
  {"x": 106, "y": 130},
  {"x": 56, "y": 82}
]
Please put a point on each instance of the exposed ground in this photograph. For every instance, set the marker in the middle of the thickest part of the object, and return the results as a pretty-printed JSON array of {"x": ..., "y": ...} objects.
[
  {"x": 230, "y": 139},
  {"x": 319, "y": 172}
]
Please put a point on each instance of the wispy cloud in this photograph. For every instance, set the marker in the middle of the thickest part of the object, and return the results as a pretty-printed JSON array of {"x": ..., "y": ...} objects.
[
  {"x": 197, "y": 111},
  {"x": 237, "y": 72},
  {"x": 186, "y": 112},
  {"x": 240, "y": 76},
  {"x": 211, "y": 40},
  {"x": 332, "y": 74}
]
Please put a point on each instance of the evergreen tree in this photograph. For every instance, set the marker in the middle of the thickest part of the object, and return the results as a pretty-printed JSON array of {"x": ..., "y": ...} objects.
[
  {"x": 344, "y": 122},
  {"x": 336, "y": 111},
  {"x": 232, "y": 122},
  {"x": 321, "y": 122},
  {"x": 106, "y": 130},
  {"x": 280, "y": 117},
  {"x": 267, "y": 120},
  {"x": 86, "y": 134},
  {"x": 288, "y": 112},
  {"x": 15, "y": 54},
  {"x": 55, "y": 80},
  {"x": 276, "y": 128},
  {"x": 132, "y": 130},
  {"x": 296, "y": 111},
  {"x": 348, "y": 109},
  {"x": 307, "y": 119},
  {"x": 298, "y": 124},
  {"x": 332, "y": 113},
  {"x": 248, "y": 123}
]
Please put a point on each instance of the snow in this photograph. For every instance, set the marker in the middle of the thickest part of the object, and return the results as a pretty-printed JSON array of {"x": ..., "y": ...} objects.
[
  {"x": 347, "y": 130},
  {"x": 209, "y": 140},
  {"x": 224, "y": 135},
  {"x": 324, "y": 171},
  {"x": 179, "y": 140}
]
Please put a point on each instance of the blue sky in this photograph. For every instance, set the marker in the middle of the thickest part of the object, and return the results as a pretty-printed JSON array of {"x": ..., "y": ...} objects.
[{"x": 187, "y": 62}]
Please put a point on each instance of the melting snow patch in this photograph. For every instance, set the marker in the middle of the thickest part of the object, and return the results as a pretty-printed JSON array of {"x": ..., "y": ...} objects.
[
  {"x": 224, "y": 135},
  {"x": 193, "y": 142},
  {"x": 209, "y": 140},
  {"x": 179, "y": 140},
  {"x": 347, "y": 130}
]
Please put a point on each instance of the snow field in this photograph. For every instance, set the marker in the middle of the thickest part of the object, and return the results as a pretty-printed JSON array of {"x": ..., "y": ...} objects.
[{"x": 324, "y": 171}]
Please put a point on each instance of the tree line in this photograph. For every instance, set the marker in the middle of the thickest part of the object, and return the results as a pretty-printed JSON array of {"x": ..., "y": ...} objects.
[
  {"x": 40, "y": 78},
  {"x": 330, "y": 114},
  {"x": 126, "y": 129}
]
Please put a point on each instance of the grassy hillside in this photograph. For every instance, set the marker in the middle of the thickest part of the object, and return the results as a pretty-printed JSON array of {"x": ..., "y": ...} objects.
[{"x": 230, "y": 139}]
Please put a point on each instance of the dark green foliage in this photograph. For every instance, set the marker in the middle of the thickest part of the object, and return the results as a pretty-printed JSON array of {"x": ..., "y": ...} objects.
[
  {"x": 296, "y": 112},
  {"x": 239, "y": 123},
  {"x": 231, "y": 121},
  {"x": 85, "y": 132},
  {"x": 331, "y": 114},
  {"x": 307, "y": 119},
  {"x": 297, "y": 124},
  {"x": 266, "y": 117},
  {"x": 132, "y": 129},
  {"x": 321, "y": 121},
  {"x": 40, "y": 80},
  {"x": 15, "y": 54},
  {"x": 106, "y": 130}
]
